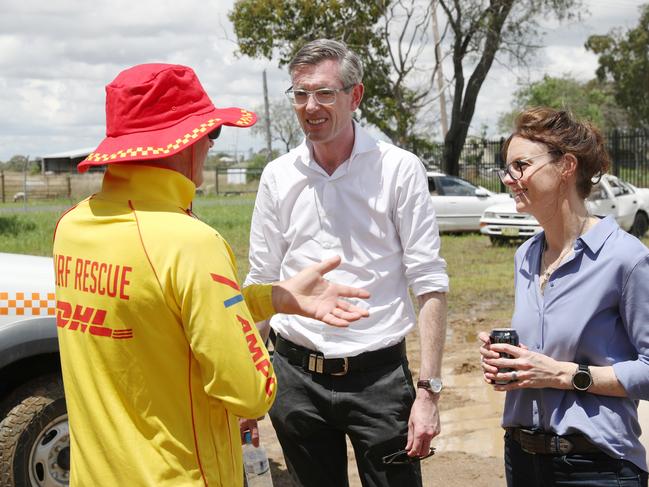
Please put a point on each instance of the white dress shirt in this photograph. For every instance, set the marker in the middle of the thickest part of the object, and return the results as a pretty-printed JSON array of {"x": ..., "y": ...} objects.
[{"x": 376, "y": 213}]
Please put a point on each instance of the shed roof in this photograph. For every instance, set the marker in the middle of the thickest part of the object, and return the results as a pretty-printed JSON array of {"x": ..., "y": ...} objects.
[{"x": 71, "y": 153}]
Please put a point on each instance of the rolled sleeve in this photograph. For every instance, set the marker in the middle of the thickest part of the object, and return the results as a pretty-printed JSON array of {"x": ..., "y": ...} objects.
[
  {"x": 634, "y": 308},
  {"x": 425, "y": 269}
]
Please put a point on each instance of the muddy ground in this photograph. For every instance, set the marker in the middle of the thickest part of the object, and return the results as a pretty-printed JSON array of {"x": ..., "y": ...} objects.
[{"x": 469, "y": 449}]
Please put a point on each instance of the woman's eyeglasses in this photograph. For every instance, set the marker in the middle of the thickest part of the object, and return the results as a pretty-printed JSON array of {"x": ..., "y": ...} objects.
[{"x": 515, "y": 168}]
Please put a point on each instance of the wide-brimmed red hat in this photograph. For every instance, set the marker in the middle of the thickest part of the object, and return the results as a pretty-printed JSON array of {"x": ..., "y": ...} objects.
[{"x": 156, "y": 110}]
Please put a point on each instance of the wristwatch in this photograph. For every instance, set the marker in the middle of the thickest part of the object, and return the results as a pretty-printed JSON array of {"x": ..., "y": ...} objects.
[
  {"x": 433, "y": 385},
  {"x": 582, "y": 380}
]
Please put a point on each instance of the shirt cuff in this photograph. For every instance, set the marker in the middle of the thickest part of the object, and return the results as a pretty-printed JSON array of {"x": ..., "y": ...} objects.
[
  {"x": 634, "y": 377},
  {"x": 259, "y": 299},
  {"x": 430, "y": 285}
]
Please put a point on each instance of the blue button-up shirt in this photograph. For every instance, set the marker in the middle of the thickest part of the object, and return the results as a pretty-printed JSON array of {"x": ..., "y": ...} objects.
[{"x": 595, "y": 311}]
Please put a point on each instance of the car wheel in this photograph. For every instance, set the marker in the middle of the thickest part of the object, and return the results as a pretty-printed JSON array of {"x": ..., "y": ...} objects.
[
  {"x": 34, "y": 436},
  {"x": 640, "y": 225}
]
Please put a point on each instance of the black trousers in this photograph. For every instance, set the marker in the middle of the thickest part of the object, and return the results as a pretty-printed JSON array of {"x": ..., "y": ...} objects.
[
  {"x": 524, "y": 469},
  {"x": 313, "y": 413}
]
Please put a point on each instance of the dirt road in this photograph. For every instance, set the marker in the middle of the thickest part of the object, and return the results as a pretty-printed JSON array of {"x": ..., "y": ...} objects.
[{"x": 469, "y": 450}]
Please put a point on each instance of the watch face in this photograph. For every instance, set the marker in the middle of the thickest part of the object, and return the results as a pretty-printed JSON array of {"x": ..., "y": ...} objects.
[
  {"x": 582, "y": 380},
  {"x": 435, "y": 385}
]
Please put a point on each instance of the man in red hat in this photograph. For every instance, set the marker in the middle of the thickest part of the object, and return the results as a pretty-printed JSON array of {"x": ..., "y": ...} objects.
[{"x": 159, "y": 351}]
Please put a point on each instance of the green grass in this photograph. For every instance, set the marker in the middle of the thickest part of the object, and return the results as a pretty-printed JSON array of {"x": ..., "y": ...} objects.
[
  {"x": 481, "y": 275},
  {"x": 27, "y": 233},
  {"x": 230, "y": 216}
]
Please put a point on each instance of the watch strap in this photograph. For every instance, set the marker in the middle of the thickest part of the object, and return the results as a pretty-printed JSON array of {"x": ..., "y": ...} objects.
[
  {"x": 583, "y": 370},
  {"x": 433, "y": 385}
]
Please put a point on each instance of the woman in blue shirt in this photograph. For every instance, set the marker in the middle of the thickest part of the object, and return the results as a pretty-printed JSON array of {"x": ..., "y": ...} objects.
[{"x": 582, "y": 313}]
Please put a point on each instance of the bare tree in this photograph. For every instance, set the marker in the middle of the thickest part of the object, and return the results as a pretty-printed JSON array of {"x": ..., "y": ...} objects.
[
  {"x": 477, "y": 31},
  {"x": 284, "y": 126},
  {"x": 392, "y": 38}
]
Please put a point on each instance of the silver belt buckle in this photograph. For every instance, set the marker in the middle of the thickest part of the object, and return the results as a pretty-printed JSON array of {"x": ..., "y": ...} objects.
[
  {"x": 345, "y": 367},
  {"x": 316, "y": 363}
]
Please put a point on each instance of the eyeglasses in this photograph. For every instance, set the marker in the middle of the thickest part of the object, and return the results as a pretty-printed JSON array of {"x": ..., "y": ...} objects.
[
  {"x": 401, "y": 457},
  {"x": 214, "y": 134},
  {"x": 324, "y": 96},
  {"x": 515, "y": 169}
]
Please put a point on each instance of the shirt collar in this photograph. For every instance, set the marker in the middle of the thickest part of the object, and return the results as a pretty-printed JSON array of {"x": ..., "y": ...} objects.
[
  {"x": 363, "y": 142},
  {"x": 148, "y": 183},
  {"x": 593, "y": 239}
]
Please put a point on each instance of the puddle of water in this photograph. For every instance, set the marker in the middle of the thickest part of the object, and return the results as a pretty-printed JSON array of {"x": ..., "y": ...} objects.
[{"x": 475, "y": 428}]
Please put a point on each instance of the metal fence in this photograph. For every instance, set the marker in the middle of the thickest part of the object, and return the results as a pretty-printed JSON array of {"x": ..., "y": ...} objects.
[
  {"x": 480, "y": 158},
  {"x": 629, "y": 150},
  {"x": 230, "y": 181},
  {"x": 479, "y": 161},
  {"x": 19, "y": 186}
]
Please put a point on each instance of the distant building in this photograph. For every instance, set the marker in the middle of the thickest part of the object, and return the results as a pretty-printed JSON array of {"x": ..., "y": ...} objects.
[
  {"x": 67, "y": 161},
  {"x": 236, "y": 175}
]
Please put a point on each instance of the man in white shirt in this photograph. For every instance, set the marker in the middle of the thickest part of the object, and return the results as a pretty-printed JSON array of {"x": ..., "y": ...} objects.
[{"x": 341, "y": 192}]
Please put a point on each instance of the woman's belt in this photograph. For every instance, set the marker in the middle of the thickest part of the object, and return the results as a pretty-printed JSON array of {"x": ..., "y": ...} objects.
[
  {"x": 546, "y": 443},
  {"x": 315, "y": 362}
]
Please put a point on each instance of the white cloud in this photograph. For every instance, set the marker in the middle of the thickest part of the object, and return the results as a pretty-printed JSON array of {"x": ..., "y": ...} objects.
[{"x": 56, "y": 57}]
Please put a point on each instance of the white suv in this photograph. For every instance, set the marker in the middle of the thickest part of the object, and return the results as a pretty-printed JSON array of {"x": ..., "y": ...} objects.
[
  {"x": 611, "y": 196},
  {"x": 34, "y": 437}
]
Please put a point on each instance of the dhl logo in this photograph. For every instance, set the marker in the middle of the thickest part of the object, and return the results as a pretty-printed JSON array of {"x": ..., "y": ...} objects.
[{"x": 86, "y": 318}]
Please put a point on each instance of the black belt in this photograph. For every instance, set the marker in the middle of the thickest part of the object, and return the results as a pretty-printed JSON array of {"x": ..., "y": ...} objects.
[
  {"x": 544, "y": 443},
  {"x": 315, "y": 362}
]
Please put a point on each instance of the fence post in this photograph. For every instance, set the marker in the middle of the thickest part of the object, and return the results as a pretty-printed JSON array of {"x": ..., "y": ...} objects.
[
  {"x": 2, "y": 185},
  {"x": 616, "y": 151},
  {"x": 69, "y": 181},
  {"x": 501, "y": 163},
  {"x": 216, "y": 180}
]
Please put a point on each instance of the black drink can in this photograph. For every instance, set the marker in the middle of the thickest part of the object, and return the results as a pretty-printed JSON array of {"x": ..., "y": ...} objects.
[{"x": 504, "y": 335}]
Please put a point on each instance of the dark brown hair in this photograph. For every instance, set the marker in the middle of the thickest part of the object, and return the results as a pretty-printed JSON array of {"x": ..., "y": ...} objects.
[{"x": 561, "y": 131}]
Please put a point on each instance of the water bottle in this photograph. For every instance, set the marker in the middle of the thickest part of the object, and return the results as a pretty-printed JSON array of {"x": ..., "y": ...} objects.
[{"x": 255, "y": 464}]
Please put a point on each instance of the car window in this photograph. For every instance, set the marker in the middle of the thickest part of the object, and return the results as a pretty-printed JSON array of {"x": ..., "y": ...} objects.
[
  {"x": 431, "y": 186},
  {"x": 618, "y": 188},
  {"x": 452, "y": 186},
  {"x": 627, "y": 187}
]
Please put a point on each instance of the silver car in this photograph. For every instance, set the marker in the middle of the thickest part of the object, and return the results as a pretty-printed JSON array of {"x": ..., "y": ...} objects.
[{"x": 458, "y": 203}]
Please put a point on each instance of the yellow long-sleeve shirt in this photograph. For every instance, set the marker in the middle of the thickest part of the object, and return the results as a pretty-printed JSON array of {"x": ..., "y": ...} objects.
[{"x": 159, "y": 351}]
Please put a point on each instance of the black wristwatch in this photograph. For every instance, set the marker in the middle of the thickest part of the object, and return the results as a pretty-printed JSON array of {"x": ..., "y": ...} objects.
[{"x": 582, "y": 380}]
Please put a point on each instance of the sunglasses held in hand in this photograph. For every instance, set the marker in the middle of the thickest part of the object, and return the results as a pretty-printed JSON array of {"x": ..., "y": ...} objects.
[{"x": 401, "y": 457}]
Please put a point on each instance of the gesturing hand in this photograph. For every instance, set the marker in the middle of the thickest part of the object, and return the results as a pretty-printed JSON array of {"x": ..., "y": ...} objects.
[{"x": 309, "y": 294}]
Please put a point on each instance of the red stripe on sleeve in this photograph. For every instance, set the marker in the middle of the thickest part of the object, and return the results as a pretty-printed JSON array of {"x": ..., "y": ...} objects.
[{"x": 226, "y": 281}]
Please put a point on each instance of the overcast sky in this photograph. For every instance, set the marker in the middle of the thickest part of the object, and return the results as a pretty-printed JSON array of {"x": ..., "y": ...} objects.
[{"x": 57, "y": 56}]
